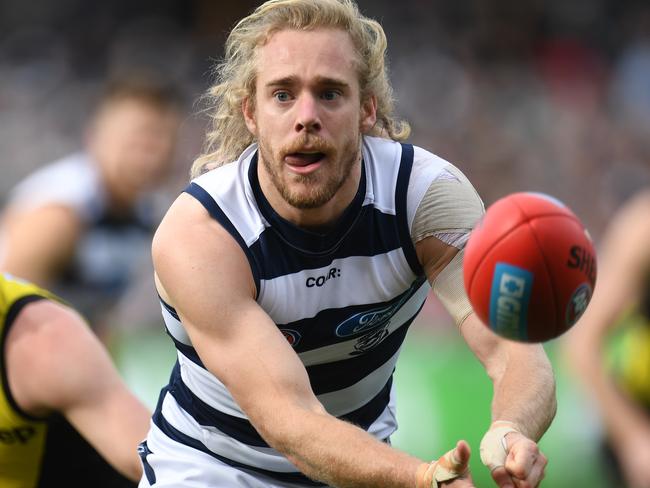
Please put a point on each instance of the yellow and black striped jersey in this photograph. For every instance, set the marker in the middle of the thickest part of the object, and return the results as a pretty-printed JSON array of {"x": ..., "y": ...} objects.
[
  {"x": 41, "y": 452},
  {"x": 22, "y": 437}
]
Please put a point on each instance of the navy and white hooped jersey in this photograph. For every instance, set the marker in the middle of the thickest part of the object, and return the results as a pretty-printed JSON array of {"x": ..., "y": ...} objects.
[
  {"x": 111, "y": 247},
  {"x": 343, "y": 300}
]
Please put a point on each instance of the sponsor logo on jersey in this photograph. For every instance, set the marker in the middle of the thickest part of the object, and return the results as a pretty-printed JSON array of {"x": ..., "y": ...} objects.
[
  {"x": 320, "y": 280},
  {"x": 372, "y": 324},
  {"x": 370, "y": 340},
  {"x": 578, "y": 303},
  {"x": 292, "y": 336},
  {"x": 371, "y": 319},
  {"x": 509, "y": 297},
  {"x": 17, "y": 435}
]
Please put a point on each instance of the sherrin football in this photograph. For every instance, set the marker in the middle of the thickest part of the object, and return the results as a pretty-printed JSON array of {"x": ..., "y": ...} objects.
[{"x": 529, "y": 267}]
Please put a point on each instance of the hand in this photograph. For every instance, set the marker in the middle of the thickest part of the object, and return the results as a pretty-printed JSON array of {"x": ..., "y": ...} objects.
[
  {"x": 450, "y": 471},
  {"x": 634, "y": 457},
  {"x": 514, "y": 460}
]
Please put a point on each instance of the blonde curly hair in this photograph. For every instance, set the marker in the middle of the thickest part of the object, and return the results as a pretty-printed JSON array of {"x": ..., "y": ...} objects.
[{"x": 235, "y": 76}]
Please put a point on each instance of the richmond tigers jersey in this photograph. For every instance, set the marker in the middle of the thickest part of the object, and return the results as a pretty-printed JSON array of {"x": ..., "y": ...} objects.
[
  {"x": 344, "y": 300},
  {"x": 631, "y": 361},
  {"x": 40, "y": 452},
  {"x": 22, "y": 437}
]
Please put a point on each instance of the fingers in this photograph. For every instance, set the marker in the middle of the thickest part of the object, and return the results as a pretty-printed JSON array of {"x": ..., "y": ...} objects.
[
  {"x": 524, "y": 466},
  {"x": 525, "y": 462},
  {"x": 502, "y": 478}
]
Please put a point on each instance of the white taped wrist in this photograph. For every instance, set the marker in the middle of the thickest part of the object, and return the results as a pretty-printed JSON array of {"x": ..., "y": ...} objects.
[{"x": 494, "y": 448}]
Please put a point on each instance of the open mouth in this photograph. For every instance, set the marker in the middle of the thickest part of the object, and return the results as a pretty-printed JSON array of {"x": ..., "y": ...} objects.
[{"x": 304, "y": 159}]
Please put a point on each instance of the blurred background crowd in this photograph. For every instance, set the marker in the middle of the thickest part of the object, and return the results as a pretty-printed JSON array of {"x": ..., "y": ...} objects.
[
  {"x": 546, "y": 95},
  {"x": 543, "y": 95}
]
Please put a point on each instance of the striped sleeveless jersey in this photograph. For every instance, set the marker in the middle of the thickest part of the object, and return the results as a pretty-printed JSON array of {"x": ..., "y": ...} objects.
[{"x": 343, "y": 300}]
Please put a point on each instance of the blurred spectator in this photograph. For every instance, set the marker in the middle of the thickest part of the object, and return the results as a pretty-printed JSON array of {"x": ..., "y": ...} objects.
[
  {"x": 82, "y": 225},
  {"x": 621, "y": 298}
]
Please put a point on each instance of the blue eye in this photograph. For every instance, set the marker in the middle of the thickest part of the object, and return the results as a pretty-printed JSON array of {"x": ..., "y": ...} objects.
[
  {"x": 330, "y": 95},
  {"x": 282, "y": 96}
]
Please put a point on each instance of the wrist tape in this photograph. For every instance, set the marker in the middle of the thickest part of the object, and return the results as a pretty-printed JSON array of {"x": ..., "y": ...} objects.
[{"x": 494, "y": 448}]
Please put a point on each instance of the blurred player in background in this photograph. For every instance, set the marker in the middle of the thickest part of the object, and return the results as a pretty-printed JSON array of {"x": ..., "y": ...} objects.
[
  {"x": 55, "y": 370},
  {"x": 621, "y": 300},
  {"x": 290, "y": 273},
  {"x": 82, "y": 225}
]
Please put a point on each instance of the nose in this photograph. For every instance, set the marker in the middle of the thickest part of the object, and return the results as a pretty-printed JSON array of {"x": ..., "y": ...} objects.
[{"x": 307, "y": 114}]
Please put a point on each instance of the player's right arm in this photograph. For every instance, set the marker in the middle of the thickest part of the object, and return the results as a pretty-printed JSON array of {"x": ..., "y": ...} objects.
[
  {"x": 204, "y": 274},
  {"x": 624, "y": 261},
  {"x": 38, "y": 241}
]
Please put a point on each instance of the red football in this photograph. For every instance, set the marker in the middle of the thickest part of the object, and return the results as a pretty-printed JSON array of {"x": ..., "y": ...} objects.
[{"x": 529, "y": 267}]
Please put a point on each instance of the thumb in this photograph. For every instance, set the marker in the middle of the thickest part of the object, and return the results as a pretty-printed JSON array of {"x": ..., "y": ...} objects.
[
  {"x": 452, "y": 465},
  {"x": 456, "y": 461}
]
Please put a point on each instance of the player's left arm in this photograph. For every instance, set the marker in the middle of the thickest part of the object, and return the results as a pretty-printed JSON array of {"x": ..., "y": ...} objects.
[
  {"x": 57, "y": 364},
  {"x": 524, "y": 388},
  {"x": 523, "y": 402}
]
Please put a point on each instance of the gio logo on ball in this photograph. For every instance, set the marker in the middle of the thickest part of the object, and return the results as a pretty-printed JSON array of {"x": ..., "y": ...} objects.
[{"x": 509, "y": 297}]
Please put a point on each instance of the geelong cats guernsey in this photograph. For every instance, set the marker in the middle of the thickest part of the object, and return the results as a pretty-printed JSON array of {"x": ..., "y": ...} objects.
[
  {"x": 110, "y": 247},
  {"x": 344, "y": 300}
]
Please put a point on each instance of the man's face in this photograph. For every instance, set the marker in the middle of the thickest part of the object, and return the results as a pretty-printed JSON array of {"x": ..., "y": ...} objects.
[
  {"x": 134, "y": 143},
  {"x": 307, "y": 115}
]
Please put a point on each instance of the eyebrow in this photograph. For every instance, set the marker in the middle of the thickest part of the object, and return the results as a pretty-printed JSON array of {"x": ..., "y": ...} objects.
[{"x": 320, "y": 80}]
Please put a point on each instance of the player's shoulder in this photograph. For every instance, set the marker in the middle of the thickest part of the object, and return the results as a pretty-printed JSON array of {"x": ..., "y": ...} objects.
[
  {"x": 434, "y": 174},
  {"x": 71, "y": 181},
  {"x": 44, "y": 331},
  {"x": 386, "y": 153},
  {"x": 639, "y": 204},
  {"x": 223, "y": 178},
  {"x": 426, "y": 163},
  {"x": 187, "y": 232},
  {"x": 16, "y": 292},
  {"x": 631, "y": 223}
]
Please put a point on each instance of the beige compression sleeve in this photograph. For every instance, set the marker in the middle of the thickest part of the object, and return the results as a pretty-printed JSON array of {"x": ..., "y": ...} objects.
[{"x": 448, "y": 211}]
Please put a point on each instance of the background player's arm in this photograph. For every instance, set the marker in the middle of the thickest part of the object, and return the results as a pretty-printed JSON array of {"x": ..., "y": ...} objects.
[
  {"x": 624, "y": 264},
  {"x": 206, "y": 277},
  {"x": 37, "y": 242},
  {"x": 55, "y": 363},
  {"x": 524, "y": 386}
]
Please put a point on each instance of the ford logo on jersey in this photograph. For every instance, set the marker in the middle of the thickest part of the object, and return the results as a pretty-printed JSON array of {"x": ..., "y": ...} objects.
[
  {"x": 364, "y": 321},
  {"x": 372, "y": 319}
]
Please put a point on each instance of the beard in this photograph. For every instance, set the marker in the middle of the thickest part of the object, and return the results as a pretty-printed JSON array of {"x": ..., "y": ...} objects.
[{"x": 315, "y": 189}]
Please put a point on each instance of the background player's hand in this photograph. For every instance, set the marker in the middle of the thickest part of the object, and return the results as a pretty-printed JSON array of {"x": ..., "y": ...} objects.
[
  {"x": 453, "y": 467},
  {"x": 634, "y": 458},
  {"x": 514, "y": 460}
]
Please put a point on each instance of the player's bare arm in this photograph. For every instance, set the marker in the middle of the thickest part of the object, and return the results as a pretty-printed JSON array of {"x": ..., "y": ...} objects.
[
  {"x": 55, "y": 363},
  {"x": 524, "y": 387},
  {"x": 624, "y": 261},
  {"x": 39, "y": 241},
  {"x": 240, "y": 344}
]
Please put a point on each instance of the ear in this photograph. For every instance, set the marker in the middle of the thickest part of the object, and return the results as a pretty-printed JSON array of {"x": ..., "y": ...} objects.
[
  {"x": 248, "y": 109},
  {"x": 368, "y": 114}
]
